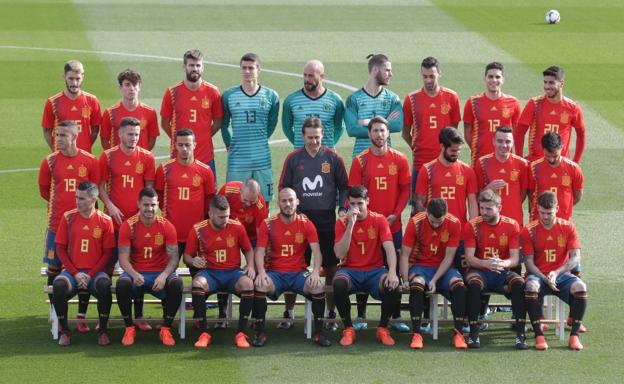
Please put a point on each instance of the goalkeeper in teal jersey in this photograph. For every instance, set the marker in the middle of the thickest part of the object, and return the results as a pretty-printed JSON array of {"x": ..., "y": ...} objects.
[
  {"x": 313, "y": 100},
  {"x": 249, "y": 118},
  {"x": 373, "y": 100}
]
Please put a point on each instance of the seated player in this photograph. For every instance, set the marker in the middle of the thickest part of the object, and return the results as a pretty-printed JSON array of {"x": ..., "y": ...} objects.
[
  {"x": 84, "y": 243},
  {"x": 360, "y": 236},
  {"x": 148, "y": 254},
  {"x": 213, "y": 247},
  {"x": 552, "y": 249},
  {"x": 287, "y": 235},
  {"x": 492, "y": 249},
  {"x": 429, "y": 245}
]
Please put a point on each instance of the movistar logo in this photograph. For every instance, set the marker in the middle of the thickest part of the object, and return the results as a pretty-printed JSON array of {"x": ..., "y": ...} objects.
[{"x": 312, "y": 185}]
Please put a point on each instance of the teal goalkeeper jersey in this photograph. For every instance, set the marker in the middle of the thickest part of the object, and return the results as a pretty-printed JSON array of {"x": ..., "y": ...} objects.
[
  {"x": 248, "y": 122},
  {"x": 328, "y": 107},
  {"x": 362, "y": 106}
]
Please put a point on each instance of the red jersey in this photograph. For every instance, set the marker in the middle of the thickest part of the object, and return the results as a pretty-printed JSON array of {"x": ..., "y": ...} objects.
[
  {"x": 452, "y": 183},
  {"x": 541, "y": 116},
  {"x": 388, "y": 179},
  {"x": 195, "y": 110},
  {"x": 515, "y": 172},
  {"x": 485, "y": 115},
  {"x": 111, "y": 120},
  {"x": 186, "y": 191},
  {"x": 563, "y": 180},
  {"x": 286, "y": 244},
  {"x": 251, "y": 216},
  {"x": 85, "y": 240},
  {"x": 221, "y": 248},
  {"x": 492, "y": 241},
  {"x": 59, "y": 176},
  {"x": 549, "y": 247},
  {"x": 125, "y": 175},
  {"x": 365, "y": 249},
  {"x": 427, "y": 116},
  {"x": 148, "y": 245},
  {"x": 84, "y": 111},
  {"x": 429, "y": 244}
]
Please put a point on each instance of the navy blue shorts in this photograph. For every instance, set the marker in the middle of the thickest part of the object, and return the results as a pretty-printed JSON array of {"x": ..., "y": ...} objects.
[
  {"x": 74, "y": 284},
  {"x": 363, "y": 281},
  {"x": 494, "y": 282},
  {"x": 149, "y": 279},
  {"x": 564, "y": 284},
  {"x": 443, "y": 284},
  {"x": 221, "y": 280},
  {"x": 287, "y": 282}
]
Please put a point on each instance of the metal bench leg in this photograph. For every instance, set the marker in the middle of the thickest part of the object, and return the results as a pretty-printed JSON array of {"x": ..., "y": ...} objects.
[
  {"x": 55, "y": 323},
  {"x": 433, "y": 315},
  {"x": 308, "y": 318},
  {"x": 561, "y": 318},
  {"x": 228, "y": 311},
  {"x": 182, "y": 318},
  {"x": 444, "y": 308}
]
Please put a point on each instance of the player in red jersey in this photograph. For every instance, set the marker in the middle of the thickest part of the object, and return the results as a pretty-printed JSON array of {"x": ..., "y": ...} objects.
[
  {"x": 148, "y": 254},
  {"x": 492, "y": 249},
  {"x": 505, "y": 173},
  {"x": 425, "y": 112},
  {"x": 385, "y": 173},
  {"x": 282, "y": 242},
  {"x": 185, "y": 187},
  {"x": 72, "y": 104},
  {"x": 360, "y": 237},
  {"x": 195, "y": 104},
  {"x": 129, "y": 85},
  {"x": 552, "y": 249},
  {"x": 59, "y": 174},
  {"x": 551, "y": 112},
  {"x": 487, "y": 111},
  {"x": 84, "y": 242},
  {"x": 429, "y": 245}
]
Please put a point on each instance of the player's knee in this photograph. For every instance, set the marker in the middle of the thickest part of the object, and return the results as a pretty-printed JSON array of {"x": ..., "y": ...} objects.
[
  {"x": 516, "y": 282},
  {"x": 175, "y": 285},
  {"x": 200, "y": 283},
  {"x": 245, "y": 284},
  {"x": 456, "y": 285},
  {"x": 417, "y": 284},
  {"x": 474, "y": 280},
  {"x": 531, "y": 286},
  {"x": 578, "y": 286},
  {"x": 123, "y": 285},
  {"x": 103, "y": 285},
  {"x": 416, "y": 279},
  {"x": 60, "y": 287},
  {"x": 341, "y": 284}
]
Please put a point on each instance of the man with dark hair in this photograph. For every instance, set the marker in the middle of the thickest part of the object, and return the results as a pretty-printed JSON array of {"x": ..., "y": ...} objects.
[
  {"x": 84, "y": 243},
  {"x": 250, "y": 112},
  {"x": 129, "y": 85},
  {"x": 429, "y": 245},
  {"x": 148, "y": 254},
  {"x": 214, "y": 247},
  {"x": 360, "y": 236},
  {"x": 551, "y": 112},
  {"x": 552, "y": 249},
  {"x": 194, "y": 104},
  {"x": 374, "y": 99},
  {"x": 485, "y": 112},
  {"x": 492, "y": 249}
]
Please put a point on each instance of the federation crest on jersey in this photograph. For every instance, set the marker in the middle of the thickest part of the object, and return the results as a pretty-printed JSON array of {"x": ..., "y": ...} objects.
[
  {"x": 444, "y": 236},
  {"x": 196, "y": 180},
  {"x": 159, "y": 239},
  {"x": 205, "y": 103},
  {"x": 566, "y": 180},
  {"x": 372, "y": 234},
  {"x": 299, "y": 238},
  {"x": 564, "y": 118},
  {"x": 459, "y": 179},
  {"x": 513, "y": 175},
  {"x": 263, "y": 102},
  {"x": 385, "y": 104},
  {"x": 392, "y": 169},
  {"x": 86, "y": 112},
  {"x": 561, "y": 241},
  {"x": 445, "y": 108},
  {"x": 97, "y": 232},
  {"x": 506, "y": 112},
  {"x": 503, "y": 240},
  {"x": 138, "y": 168},
  {"x": 143, "y": 123},
  {"x": 248, "y": 219},
  {"x": 327, "y": 107},
  {"x": 82, "y": 171},
  {"x": 325, "y": 167},
  {"x": 230, "y": 241}
]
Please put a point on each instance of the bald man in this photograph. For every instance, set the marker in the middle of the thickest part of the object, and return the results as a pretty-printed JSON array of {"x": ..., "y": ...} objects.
[{"x": 313, "y": 100}]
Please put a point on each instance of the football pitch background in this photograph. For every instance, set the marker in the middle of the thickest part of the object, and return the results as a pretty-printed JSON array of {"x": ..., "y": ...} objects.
[{"x": 37, "y": 37}]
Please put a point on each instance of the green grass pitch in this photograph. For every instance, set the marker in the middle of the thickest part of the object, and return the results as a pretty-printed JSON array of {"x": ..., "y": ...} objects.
[{"x": 109, "y": 35}]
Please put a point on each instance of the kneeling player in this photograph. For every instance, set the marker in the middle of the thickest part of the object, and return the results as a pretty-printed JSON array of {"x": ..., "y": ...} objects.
[
  {"x": 148, "y": 254},
  {"x": 213, "y": 246},
  {"x": 429, "y": 245},
  {"x": 551, "y": 249},
  {"x": 492, "y": 248},
  {"x": 84, "y": 243},
  {"x": 288, "y": 235},
  {"x": 360, "y": 236}
]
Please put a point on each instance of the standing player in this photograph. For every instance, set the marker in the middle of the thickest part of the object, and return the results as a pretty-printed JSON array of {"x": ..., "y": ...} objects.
[
  {"x": 283, "y": 240},
  {"x": 551, "y": 112},
  {"x": 59, "y": 175},
  {"x": 360, "y": 237},
  {"x": 374, "y": 99},
  {"x": 249, "y": 119},
  {"x": 129, "y": 85},
  {"x": 492, "y": 249},
  {"x": 487, "y": 111},
  {"x": 317, "y": 174},
  {"x": 148, "y": 254},
  {"x": 72, "y": 104},
  {"x": 425, "y": 112},
  {"x": 84, "y": 243},
  {"x": 429, "y": 246},
  {"x": 385, "y": 173},
  {"x": 195, "y": 104},
  {"x": 185, "y": 187},
  {"x": 313, "y": 100},
  {"x": 551, "y": 247},
  {"x": 214, "y": 247}
]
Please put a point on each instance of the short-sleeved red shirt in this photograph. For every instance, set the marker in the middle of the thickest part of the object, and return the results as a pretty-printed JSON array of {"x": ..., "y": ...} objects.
[
  {"x": 429, "y": 244},
  {"x": 563, "y": 179},
  {"x": 221, "y": 248},
  {"x": 148, "y": 244},
  {"x": 491, "y": 241},
  {"x": 549, "y": 247},
  {"x": 366, "y": 241},
  {"x": 111, "y": 120}
]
